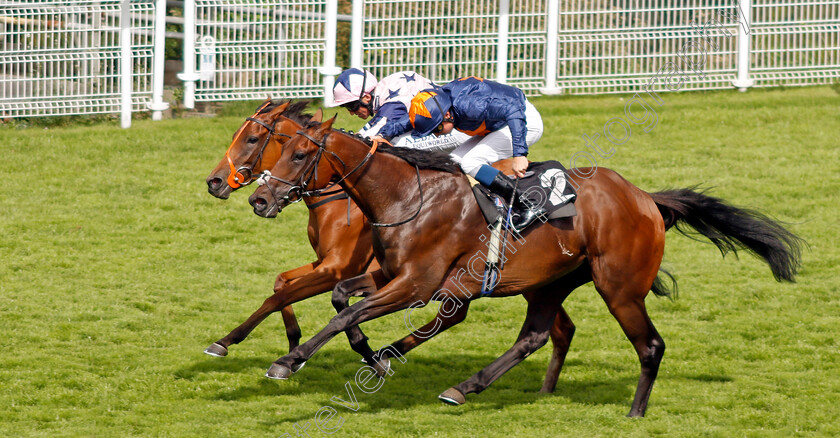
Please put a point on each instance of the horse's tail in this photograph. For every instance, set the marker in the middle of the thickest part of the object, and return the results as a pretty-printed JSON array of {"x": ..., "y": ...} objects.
[
  {"x": 660, "y": 288},
  {"x": 731, "y": 228}
]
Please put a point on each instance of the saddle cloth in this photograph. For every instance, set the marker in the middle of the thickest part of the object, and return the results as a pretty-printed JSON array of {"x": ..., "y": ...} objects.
[{"x": 545, "y": 184}]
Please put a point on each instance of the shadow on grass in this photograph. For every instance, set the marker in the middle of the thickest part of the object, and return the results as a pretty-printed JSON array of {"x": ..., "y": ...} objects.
[
  {"x": 705, "y": 377},
  {"x": 415, "y": 383},
  {"x": 221, "y": 365}
]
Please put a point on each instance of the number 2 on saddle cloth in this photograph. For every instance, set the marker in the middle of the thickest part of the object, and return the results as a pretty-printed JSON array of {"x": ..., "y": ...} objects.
[{"x": 544, "y": 185}]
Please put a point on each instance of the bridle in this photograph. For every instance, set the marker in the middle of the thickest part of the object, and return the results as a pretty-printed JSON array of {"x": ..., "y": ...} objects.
[
  {"x": 236, "y": 178},
  {"x": 310, "y": 173}
]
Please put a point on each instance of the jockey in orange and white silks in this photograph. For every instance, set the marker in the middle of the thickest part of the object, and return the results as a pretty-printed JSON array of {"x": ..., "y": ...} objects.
[
  {"x": 502, "y": 122},
  {"x": 387, "y": 102}
]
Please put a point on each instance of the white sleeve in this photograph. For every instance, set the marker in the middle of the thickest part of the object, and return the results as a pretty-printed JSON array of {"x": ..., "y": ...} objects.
[{"x": 371, "y": 131}]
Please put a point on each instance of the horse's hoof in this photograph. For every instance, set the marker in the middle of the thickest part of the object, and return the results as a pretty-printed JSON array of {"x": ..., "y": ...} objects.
[
  {"x": 453, "y": 397},
  {"x": 298, "y": 367},
  {"x": 216, "y": 350},
  {"x": 279, "y": 372},
  {"x": 383, "y": 367}
]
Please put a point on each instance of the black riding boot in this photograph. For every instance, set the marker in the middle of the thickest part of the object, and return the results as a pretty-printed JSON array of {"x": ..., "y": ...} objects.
[{"x": 527, "y": 213}]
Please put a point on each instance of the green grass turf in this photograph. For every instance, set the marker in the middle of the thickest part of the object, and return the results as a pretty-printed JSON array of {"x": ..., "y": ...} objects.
[{"x": 118, "y": 269}]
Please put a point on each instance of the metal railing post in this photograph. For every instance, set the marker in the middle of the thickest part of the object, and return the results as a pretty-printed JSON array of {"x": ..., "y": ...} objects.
[
  {"x": 744, "y": 14},
  {"x": 356, "y": 33},
  {"x": 158, "y": 105},
  {"x": 330, "y": 70},
  {"x": 502, "y": 48},
  {"x": 189, "y": 76},
  {"x": 552, "y": 23},
  {"x": 126, "y": 62}
]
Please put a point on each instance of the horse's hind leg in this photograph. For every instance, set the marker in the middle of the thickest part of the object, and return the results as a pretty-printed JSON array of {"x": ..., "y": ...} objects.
[
  {"x": 624, "y": 293},
  {"x": 563, "y": 329},
  {"x": 542, "y": 309},
  {"x": 561, "y": 337},
  {"x": 649, "y": 346}
]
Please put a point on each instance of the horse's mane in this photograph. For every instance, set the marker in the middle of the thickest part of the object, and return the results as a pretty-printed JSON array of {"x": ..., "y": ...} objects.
[
  {"x": 433, "y": 160},
  {"x": 295, "y": 111}
]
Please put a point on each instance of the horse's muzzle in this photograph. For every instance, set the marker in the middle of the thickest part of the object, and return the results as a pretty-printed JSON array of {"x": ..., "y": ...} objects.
[
  {"x": 218, "y": 187},
  {"x": 264, "y": 207}
]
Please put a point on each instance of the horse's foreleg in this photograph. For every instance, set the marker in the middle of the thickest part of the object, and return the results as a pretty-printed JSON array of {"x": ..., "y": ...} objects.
[
  {"x": 237, "y": 335},
  {"x": 443, "y": 320},
  {"x": 394, "y": 296},
  {"x": 542, "y": 308},
  {"x": 287, "y": 290},
  {"x": 351, "y": 266},
  {"x": 287, "y": 277},
  {"x": 293, "y": 333},
  {"x": 360, "y": 286}
]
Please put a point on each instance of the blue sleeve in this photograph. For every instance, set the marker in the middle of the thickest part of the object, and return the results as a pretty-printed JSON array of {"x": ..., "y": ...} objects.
[
  {"x": 497, "y": 105},
  {"x": 396, "y": 120},
  {"x": 518, "y": 130},
  {"x": 395, "y": 127},
  {"x": 510, "y": 107}
]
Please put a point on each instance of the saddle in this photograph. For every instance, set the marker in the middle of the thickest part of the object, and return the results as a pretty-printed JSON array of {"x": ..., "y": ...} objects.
[{"x": 544, "y": 185}]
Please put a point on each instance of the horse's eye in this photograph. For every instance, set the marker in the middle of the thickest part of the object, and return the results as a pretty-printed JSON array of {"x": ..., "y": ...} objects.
[
  {"x": 253, "y": 139},
  {"x": 299, "y": 156}
]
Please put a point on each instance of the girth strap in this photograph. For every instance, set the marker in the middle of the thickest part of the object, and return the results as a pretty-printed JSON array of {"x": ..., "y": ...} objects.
[{"x": 342, "y": 195}]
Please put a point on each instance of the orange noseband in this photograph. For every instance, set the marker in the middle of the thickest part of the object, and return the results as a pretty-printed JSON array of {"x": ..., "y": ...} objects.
[{"x": 235, "y": 179}]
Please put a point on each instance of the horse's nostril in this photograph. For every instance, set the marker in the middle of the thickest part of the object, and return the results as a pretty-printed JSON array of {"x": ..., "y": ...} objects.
[
  {"x": 214, "y": 183},
  {"x": 258, "y": 203}
]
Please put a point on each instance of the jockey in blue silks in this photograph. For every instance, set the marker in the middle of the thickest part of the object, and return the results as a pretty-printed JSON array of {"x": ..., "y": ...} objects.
[{"x": 502, "y": 122}]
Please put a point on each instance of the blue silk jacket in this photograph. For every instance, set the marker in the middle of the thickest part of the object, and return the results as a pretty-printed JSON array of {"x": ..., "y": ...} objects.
[{"x": 480, "y": 107}]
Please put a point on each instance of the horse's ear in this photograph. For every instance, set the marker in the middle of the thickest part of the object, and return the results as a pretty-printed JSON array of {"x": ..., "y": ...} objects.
[
  {"x": 319, "y": 115},
  {"x": 328, "y": 124},
  {"x": 278, "y": 110}
]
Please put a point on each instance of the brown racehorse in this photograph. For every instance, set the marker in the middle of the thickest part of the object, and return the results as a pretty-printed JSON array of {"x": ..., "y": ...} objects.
[
  {"x": 616, "y": 241},
  {"x": 339, "y": 234}
]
